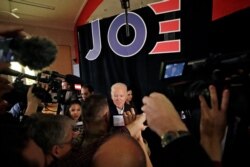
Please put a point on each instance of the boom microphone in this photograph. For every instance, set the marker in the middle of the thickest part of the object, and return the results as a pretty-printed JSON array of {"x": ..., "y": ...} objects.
[
  {"x": 35, "y": 52},
  {"x": 11, "y": 72}
]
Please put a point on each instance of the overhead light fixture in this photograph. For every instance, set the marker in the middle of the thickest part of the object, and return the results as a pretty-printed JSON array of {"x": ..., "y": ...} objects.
[
  {"x": 14, "y": 10},
  {"x": 12, "y": 13},
  {"x": 35, "y": 4}
]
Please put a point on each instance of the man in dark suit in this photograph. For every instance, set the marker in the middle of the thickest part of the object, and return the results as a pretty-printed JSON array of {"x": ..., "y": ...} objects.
[{"x": 119, "y": 109}]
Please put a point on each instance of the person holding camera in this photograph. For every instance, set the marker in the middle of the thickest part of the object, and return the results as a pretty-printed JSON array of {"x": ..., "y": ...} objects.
[{"x": 179, "y": 147}]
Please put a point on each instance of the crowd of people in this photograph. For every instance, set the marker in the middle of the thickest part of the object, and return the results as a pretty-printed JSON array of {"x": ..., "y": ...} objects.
[{"x": 94, "y": 130}]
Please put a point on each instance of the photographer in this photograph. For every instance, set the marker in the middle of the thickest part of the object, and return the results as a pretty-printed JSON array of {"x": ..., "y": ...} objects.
[
  {"x": 17, "y": 149},
  {"x": 17, "y": 45},
  {"x": 20, "y": 90},
  {"x": 179, "y": 146}
]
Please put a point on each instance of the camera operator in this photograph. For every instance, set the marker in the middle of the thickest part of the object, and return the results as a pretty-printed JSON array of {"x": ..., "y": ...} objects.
[
  {"x": 17, "y": 45},
  {"x": 32, "y": 101},
  {"x": 177, "y": 141},
  {"x": 68, "y": 94}
]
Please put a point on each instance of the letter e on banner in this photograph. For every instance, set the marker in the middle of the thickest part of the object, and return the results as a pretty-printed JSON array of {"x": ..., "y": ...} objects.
[{"x": 169, "y": 46}]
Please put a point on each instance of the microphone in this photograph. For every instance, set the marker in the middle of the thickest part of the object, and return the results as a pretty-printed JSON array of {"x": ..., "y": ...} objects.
[
  {"x": 11, "y": 72},
  {"x": 125, "y": 5},
  {"x": 35, "y": 52}
]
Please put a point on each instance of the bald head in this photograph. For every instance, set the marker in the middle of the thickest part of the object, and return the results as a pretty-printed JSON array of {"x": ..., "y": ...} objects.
[
  {"x": 119, "y": 150},
  {"x": 119, "y": 94}
]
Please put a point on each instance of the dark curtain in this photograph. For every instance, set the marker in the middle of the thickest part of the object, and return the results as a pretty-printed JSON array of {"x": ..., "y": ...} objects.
[{"x": 143, "y": 71}]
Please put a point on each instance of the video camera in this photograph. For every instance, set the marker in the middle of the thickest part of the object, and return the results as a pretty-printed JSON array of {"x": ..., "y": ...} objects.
[
  {"x": 187, "y": 80},
  {"x": 226, "y": 71},
  {"x": 53, "y": 93},
  {"x": 223, "y": 71}
]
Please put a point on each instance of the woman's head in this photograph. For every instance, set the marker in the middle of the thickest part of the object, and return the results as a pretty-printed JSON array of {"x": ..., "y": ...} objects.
[{"x": 74, "y": 110}]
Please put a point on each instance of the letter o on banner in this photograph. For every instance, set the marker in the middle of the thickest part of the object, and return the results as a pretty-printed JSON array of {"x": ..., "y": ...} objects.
[{"x": 138, "y": 42}]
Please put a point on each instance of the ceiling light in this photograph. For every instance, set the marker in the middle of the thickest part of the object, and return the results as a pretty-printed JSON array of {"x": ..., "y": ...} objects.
[
  {"x": 11, "y": 13},
  {"x": 35, "y": 4},
  {"x": 14, "y": 10},
  {"x": 16, "y": 16}
]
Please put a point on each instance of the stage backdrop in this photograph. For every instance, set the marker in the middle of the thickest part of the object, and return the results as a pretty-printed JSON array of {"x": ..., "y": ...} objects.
[{"x": 165, "y": 31}]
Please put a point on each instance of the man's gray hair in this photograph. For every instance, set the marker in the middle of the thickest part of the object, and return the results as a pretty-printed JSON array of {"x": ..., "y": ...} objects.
[
  {"x": 118, "y": 85},
  {"x": 48, "y": 130}
]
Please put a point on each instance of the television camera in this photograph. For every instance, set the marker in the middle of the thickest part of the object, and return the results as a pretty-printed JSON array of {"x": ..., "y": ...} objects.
[
  {"x": 223, "y": 71},
  {"x": 48, "y": 87},
  {"x": 193, "y": 78}
]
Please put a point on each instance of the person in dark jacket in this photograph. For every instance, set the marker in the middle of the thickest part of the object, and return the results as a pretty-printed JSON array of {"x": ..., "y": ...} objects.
[
  {"x": 179, "y": 147},
  {"x": 118, "y": 106}
]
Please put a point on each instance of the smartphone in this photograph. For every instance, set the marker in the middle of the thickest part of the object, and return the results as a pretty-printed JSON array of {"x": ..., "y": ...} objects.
[{"x": 118, "y": 120}]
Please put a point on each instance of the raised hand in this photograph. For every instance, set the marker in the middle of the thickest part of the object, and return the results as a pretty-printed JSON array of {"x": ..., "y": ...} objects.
[
  {"x": 161, "y": 114},
  {"x": 213, "y": 122}
]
